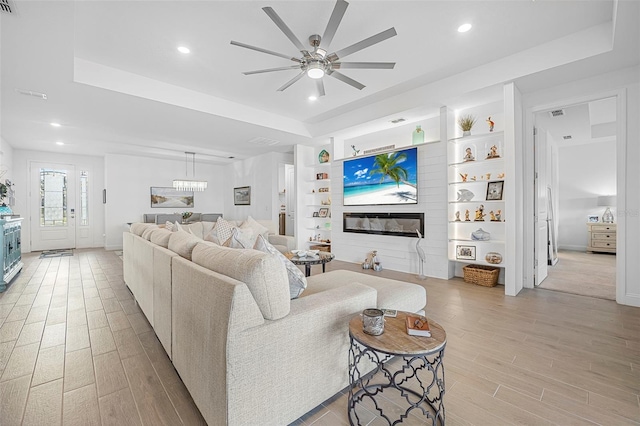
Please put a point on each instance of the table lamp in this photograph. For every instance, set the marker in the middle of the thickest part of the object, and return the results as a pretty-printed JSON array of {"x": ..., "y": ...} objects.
[{"x": 607, "y": 201}]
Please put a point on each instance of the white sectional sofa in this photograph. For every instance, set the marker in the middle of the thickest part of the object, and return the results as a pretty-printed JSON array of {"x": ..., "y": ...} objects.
[{"x": 246, "y": 353}]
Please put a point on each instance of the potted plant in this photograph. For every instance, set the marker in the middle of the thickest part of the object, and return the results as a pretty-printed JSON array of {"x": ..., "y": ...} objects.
[{"x": 466, "y": 122}]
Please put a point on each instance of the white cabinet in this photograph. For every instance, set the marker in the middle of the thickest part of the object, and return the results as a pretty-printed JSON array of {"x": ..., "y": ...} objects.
[{"x": 477, "y": 213}]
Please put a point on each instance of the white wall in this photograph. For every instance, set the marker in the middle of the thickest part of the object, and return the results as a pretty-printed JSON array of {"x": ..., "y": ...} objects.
[
  {"x": 586, "y": 171},
  {"x": 261, "y": 173},
  {"x": 21, "y": 179},
  {"x": 398, "y": 253},
  {"x": 6, "y": 159},
  {"x": 128, "y": 180}
]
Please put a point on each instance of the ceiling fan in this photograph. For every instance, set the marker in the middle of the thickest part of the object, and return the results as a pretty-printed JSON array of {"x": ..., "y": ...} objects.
[{"x": 315, "y": 62}]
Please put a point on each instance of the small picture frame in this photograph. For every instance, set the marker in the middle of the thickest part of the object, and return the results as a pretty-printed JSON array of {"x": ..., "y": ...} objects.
[
  {"x": 242, "y": 196},
  {"x": 466, "y": 252},
  {"x": 323, "y": 212},
  {"x": 593, "y": 218},
  {"x": 315, "y": 214},
  {"x": 494, "y": 190}
]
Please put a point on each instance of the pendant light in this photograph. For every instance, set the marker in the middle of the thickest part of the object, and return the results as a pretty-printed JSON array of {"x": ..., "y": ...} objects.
[{"x": 189, "y": 185}]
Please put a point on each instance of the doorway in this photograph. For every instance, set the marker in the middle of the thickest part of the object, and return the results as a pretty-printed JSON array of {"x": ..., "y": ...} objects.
[
  {"x": 59, "y": 207},
  {"x": 575, "y": 150}
]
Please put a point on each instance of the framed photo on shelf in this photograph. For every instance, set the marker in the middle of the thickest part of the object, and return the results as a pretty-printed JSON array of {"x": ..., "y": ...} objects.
[
  {"x": 593, "y": 218},
  {"x": 242, "y": 196},
  {"x": 323, "y": 212},
  {"x": 494, "y": 190},
  {"x": 466, "y": 252},
  {"x": 315, "y": 214}
]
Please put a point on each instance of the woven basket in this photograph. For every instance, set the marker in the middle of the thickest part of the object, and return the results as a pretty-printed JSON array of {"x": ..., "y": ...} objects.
[{"x": 486, "y": 276}]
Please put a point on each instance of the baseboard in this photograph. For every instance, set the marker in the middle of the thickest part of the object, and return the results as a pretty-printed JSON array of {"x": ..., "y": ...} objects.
[
  {"x": 630, "y": 300},
  {"x": 111, "y": 248},
  {"x": 573, "y": 248}
]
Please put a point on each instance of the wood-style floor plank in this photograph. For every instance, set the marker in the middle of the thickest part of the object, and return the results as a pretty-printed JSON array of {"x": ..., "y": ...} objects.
[
  {"x": 13, "y": 399},
  {"x": 78, "y": 370},
  {"x": 44, "y": 405},
  {"x": 49, "y": 366},
  {"x": 118, "y": 409},
  {"x": 81, "y": 407}
]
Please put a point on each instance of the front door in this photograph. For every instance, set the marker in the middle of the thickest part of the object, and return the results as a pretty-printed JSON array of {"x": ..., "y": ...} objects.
[{"x": 53, "y": 209}]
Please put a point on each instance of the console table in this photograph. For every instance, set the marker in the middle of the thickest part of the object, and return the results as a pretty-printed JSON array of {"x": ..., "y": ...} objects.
[
  {"x": 416, "y": 378},
  {"x": 10, "y": 250}
]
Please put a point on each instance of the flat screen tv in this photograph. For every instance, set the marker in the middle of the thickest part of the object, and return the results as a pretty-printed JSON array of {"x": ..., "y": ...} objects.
[{"x": 388, "y": 178}]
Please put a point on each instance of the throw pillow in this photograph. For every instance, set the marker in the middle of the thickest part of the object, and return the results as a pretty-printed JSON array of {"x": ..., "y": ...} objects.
[
  {"x": 251, "y": 223},
  {"x": 297, "y": 280},
  {"x": 239, "y": 239},
  {"x": 223, "y": 229}
]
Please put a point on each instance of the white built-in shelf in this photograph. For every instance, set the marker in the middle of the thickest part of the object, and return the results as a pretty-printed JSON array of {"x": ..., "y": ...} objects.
[
  {"x": 318, "y": 243},
  {"x": 319, "y": 180},
  {"x": 477, "y": 138},
  {"x": 478, "y": 162},
  {"x": 477, "y": 202},
  {"x": 469, "y": 240}
]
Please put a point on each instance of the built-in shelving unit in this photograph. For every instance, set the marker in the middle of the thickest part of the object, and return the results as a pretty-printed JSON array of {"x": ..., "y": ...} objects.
[
  {"x": 476, "y": 179},
  {"x": 318, "y": 202}
]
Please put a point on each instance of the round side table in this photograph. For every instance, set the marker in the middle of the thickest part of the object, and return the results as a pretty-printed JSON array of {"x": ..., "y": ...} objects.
[{"x": 415, "y": 379}]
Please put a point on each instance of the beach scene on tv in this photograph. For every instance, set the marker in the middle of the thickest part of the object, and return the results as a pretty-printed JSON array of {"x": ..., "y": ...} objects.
[{"x": 389, "y": 178}]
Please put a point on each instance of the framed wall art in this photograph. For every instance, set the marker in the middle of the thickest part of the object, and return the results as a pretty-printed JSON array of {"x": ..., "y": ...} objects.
[
  {"x": 494, "y": 190},
  {"x": 169, "y": 197},
  {"x": 242, "y": 196}
]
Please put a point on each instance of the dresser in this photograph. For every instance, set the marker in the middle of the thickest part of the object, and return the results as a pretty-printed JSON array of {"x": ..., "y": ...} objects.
[
  {"x": 10, "y": 250},
  {"x": 601, "y": 237}
]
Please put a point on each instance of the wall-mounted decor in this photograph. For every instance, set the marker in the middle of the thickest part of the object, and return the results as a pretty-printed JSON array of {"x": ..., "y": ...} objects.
[
  {"x": 494, "y": 190},
  {"x": 323, "y": 157},
  {"x": 242, "y": 196},
  {"x": 466, "y": 252},
  {"x": 388, "y": 178},
  {"x": 169, "y": 197}
]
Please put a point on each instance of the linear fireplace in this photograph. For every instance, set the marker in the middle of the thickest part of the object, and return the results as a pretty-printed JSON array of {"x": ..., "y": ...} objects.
[{"x": 400, "y": 224}]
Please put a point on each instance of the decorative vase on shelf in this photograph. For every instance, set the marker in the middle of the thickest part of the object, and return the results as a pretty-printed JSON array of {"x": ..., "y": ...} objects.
[
  {"x": 418, "y": 136},
  {"x": 466, "y": 133},
  {"x": 5, "y": 210}
]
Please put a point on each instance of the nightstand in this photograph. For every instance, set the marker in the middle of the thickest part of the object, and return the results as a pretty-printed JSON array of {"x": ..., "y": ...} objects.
[{"x": 601, "y": 237}]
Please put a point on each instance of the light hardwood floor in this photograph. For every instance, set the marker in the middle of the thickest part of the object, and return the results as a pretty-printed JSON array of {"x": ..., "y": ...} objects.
[
  {"x": 587, "y": 274},
  {"x": 76, "y": 350}
]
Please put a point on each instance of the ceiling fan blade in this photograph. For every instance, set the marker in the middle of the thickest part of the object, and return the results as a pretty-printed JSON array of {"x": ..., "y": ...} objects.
[
  {"x": 332, "y": 26},
  {"x": 365, "y": 65},
  {"x": 320, "y": 87},
  {"x": 269, "y": 52},
  {"x": 346, "y": 79},
  {"x": 284, "y": 28},
  {"x": 290, "y": 82},
  {"x": 291, "y": 67},
  {"x": 363, "y": 44}
]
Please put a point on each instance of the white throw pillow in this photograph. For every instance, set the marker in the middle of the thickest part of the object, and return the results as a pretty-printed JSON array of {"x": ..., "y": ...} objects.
[
  {"x": 239, "y": 240},
  {"x": 297, "y": 280},
  {"x": 212, "y": 236},
  {"x": 257, "y": 228}
]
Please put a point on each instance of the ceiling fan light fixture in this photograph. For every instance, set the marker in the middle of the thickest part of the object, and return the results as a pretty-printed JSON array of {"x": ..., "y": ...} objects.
[{"x": 315, "y": 70}]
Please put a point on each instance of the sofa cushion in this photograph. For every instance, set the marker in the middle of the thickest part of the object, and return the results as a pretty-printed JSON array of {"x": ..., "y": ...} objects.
[
  {"x": 160, "y": 237},
  {"x": 182, "y": 243},
  {"x": 138, "y": 228},
  {"x": 207, "y": 227},
  {"x": 297, "y": 280},
  {"x": 146, "y": 234},
  {"x": 263, "y": 274},
  {"x": 240, "y": 239},
  {"x": 392, "y": 294}
]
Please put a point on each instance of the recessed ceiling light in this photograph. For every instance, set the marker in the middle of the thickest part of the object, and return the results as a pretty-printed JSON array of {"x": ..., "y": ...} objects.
[
  {"x": 59, "y": 143},
  {"x": 56, "y": 124},
  {"x": 464, "y": 28},
  {"x": 313, "y": 98},
  {"x": 183, "y": 49}
]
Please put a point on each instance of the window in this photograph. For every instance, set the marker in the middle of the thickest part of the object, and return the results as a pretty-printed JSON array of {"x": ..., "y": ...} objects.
[
  {"x": 84, "y": 198},
  {"x": 53, "y": 197}
]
